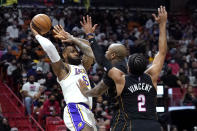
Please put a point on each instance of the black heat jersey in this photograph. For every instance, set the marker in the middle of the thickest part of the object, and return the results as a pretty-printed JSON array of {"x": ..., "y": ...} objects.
[
  {"x": 138, "y": 98},
  {"x": 137, "y": 106},
  {"x": 111, "y": 93}
]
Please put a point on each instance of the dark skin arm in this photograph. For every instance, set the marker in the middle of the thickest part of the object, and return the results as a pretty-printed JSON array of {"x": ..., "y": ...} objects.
[
  {"x": 98, "y": 90},
  {"x": 59, "y": 68},
  {"x": 101, "y": 88},
  {"x": 119, "y": 79},
  {"x": 158, "y": 61}
]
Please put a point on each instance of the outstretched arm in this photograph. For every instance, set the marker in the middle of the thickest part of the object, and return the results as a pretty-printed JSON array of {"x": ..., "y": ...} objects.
[
  {"x": 97, "y": 50},
  {"x": 64, "y": 36},
  {"x": 83, "y": 45},
  {"x": 158, "y": 61},
  {"x": 112, "y": 72},
  {"x": 59, "y": 68},
  {"x": 87, "y": 60},
  {"x": 98, "y": 90}
]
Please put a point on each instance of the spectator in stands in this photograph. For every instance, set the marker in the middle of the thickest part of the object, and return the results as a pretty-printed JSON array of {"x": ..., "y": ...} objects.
[
  {"x": 8, "y": 56},
  {"x": 32, "y": 52},
  {"x": 183, "y": 77},
  {"x": 25, "y": 60},
  {"x": 40, "y": 77},
  {"x": 190, "y": 97},
  {"x": 174, "y": 66},
  {"x": 170, "y": 79},
  {"x": 51, "y": 107},
  {"x": 17, "y": 74},
  {"x": 12, "y": 31},
  {"x": 44, "y": 65},
  {"x": 50, "y": 81},
  {"x": 12, "y": 66},
  {"x": 32, "y": 69},
  {"x": 56, "y": 90},
  {"x": 4, "y": 125},
  {"x": 31, "y": 92}
]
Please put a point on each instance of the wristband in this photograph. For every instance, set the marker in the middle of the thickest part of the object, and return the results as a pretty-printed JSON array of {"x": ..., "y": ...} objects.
[{"x": 91, "y": 34}]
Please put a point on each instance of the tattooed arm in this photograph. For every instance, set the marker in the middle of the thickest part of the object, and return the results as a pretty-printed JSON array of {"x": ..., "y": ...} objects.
[
  {"x": 88, "y": 56},
  {"x": 64, "y": 36},
  {"x": 84, "y": 45},
  {"x": 98, "y": 90}
]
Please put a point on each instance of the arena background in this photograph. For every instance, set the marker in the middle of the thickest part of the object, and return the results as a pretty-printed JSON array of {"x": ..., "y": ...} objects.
[{"x": 125, "y": 21}]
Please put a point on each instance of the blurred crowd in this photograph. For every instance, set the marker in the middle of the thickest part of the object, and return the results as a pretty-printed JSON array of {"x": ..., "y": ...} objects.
[
  {"x": 28, "y": 67},
  {"x": 4, "y": 125}
]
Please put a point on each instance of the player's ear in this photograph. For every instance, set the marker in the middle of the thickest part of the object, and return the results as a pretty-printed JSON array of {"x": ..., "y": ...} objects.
[
  {"x": 113, "y": 55},
  {"x": 64, "y": 55}
]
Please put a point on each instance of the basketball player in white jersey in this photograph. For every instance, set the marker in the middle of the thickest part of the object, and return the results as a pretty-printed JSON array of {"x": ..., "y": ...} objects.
[{"x": 77, "y": 113}]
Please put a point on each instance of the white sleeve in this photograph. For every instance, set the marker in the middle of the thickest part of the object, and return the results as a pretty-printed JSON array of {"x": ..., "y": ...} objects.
[
  {"x": 49, "y": 48},
  {"x": 25, "y": 88}
]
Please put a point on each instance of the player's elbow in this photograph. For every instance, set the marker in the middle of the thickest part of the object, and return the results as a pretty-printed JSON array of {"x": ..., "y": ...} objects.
[{"x": 90, "y": 52}]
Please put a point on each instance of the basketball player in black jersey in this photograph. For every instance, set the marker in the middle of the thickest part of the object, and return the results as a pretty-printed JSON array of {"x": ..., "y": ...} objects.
[
  {"x": 137, "y": 90},
  {"x": 116, "y": 54}
]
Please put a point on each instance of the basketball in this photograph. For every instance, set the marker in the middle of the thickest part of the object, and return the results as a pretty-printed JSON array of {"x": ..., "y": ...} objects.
[{"x": 41, "y": 23}]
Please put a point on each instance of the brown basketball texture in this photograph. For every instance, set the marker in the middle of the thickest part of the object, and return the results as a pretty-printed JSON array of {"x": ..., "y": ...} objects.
[{"x": 41, "y": 23}]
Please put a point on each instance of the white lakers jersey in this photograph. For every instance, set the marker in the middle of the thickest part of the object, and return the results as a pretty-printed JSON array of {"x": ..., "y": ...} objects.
[{"x": 71, "y": 92}]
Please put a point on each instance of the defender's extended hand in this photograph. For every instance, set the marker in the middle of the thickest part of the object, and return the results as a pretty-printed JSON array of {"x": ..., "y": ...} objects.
[{"x": 87, "y": 25}]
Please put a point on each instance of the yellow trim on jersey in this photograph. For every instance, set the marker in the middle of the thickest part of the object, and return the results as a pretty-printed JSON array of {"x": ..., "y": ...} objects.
[
  {"x": 116, "y": 120},
  {"x": 82, "y": 115},
  {"x": 124, "y": 126},
  {"x": 71, "y": 119},
  {"x": 130, "y": 125},
  {"x": 67, "y": 75},
  {"x": 123, "y": 107}
]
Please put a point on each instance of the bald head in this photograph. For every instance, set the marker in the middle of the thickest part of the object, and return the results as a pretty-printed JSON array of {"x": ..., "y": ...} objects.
[{"x": 119, "y": 51}]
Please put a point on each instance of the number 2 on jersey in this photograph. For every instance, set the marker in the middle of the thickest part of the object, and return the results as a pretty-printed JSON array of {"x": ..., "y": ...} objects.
[{"x": 141, "y": 103}]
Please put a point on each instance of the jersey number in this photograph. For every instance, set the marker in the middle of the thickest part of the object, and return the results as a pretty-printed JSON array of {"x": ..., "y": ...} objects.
[
  {"x": 86, "y": 80},
  {"x": 141, "y": 102}
]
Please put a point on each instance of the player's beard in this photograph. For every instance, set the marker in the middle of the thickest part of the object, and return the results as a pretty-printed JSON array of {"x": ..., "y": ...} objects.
[{"x": 74, "y": 61}]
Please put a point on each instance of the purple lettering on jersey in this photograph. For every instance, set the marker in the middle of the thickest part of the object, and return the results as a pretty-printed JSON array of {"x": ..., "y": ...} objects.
[{"x": 78, "y": 71}]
